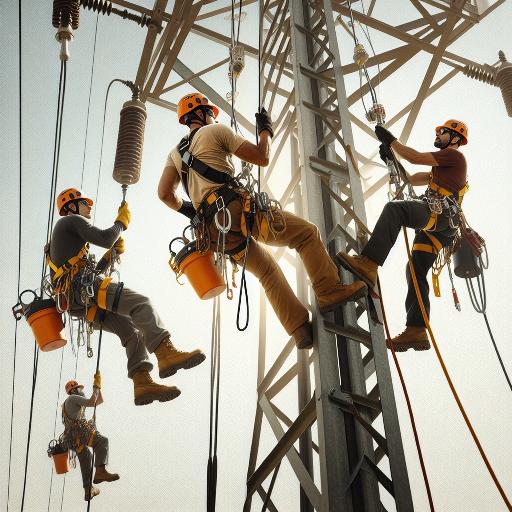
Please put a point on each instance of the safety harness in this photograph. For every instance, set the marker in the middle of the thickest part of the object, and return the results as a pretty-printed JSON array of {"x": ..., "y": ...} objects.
[{"x": 78, "y": 433}]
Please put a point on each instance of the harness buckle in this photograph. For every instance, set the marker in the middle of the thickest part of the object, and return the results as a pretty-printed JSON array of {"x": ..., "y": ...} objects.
[{"x": 188, "y": 159}]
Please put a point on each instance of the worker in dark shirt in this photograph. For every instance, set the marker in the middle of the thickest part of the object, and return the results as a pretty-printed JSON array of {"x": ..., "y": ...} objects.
[
  {"x": 81, "y": 290},
  {"x": 434, "y": 222},
  {"x": 80, "y": 433}
]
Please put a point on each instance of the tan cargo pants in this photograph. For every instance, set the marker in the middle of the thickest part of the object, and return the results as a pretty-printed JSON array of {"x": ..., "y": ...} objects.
[{"x": 299, "y": 234}]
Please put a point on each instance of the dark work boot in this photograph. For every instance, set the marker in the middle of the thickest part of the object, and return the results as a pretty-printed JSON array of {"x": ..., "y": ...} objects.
[
  {"x": 147, "y": 391},
  {"x": 170, "y": 359},
  {"x": 362, "y": 267},
  {"x": 412, "y": 337},
  {"x": 90, "y": 492},
  {"x": 102, "y": 475},
  {"x": 303, "y": 336}
]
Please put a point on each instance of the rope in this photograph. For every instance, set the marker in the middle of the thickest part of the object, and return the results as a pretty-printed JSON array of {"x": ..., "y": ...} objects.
[
  {"x": 19, "y": 256},
  {"x": 49, "y": 228},
  {"x": 55, "y": 423},
  {"x": 211, "y": 474},
  {"x": 89, "y": 100},
  {"x": 448, "y": 378},
  {"x": 497, "y": 351},
  {"x": 408, "y": 401},
  {"x": 95, "y": 405}
]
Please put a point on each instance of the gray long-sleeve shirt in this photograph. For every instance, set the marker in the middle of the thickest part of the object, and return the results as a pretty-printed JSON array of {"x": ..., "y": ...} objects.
[{"x": 72, "y": 232}]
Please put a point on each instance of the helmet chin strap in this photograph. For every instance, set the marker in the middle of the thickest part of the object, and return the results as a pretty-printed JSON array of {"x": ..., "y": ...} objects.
[{"x": 192, "y": 117}]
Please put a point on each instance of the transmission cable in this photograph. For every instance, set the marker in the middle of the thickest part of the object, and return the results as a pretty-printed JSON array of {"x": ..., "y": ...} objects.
[
  {"x": 89, "y": 101},
  {"x": 19, "y": 253},
  {"x": 51, "y": 212}
]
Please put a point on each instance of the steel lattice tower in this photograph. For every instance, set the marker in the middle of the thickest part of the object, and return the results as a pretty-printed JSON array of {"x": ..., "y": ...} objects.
[{"x": 345, "y": 393}]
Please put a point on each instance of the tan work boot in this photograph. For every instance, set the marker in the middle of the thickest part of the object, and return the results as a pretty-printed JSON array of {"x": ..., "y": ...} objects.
[
  {"x": 170, "y": 359},
  {"x": 90, "y": 492},
  {"x": 147, "y": 391},
  {"x": 362, "y": 267},
  {"x": 102, "y": 475},
  {"x": 412, "y": 337},
  {"x": 341, "y": 294},
  {"x": 303, "y": 336}
]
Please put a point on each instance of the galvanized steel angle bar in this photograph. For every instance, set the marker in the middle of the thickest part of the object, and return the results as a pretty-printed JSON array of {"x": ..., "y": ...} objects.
[
  {"x": 275, "y": 29},
  {"x": 285, "y": 447},
  {"x": 153, "y": 29},
  {"x": 222, "y": 10},
  {"x": 276, "y": 367},
  {"x": 280, "y": 71},
  {"x": 282, "y": 382},
  {"x": 354, "y": 333},
  {"x": 323, "y": 48},
  {"x": 347, "y": 235},
  {"x": 383, "y": 479},
  {"x": 325, "y": 76},
  {"x": 288, "y": 422},
  {"x": 290, "y": 188},
  {"x": 269, "y": 503}
]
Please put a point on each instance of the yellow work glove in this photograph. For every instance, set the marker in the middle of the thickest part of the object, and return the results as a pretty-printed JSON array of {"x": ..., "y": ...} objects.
[
  {"x": 123, "y": 215},
  {"x": 97, "y": 380},
  {"x": 119, "y": 246}
]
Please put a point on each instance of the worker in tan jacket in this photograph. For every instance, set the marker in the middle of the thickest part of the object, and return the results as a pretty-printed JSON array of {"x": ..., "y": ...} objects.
[{"x": 203, "y": 164}]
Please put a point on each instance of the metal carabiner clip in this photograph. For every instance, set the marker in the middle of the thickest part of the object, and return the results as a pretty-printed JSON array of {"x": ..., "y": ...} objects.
[{"x": 226, "y": 228}]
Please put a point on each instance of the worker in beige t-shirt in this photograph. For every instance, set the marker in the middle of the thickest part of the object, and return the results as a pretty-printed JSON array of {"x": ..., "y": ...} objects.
[{"x": 210, "y": 168}]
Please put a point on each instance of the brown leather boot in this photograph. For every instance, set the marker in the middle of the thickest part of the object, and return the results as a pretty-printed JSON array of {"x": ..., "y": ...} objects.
[
  {"x": 412, "y": 337},
  {"x": 147, "y": 391},
  {"x": 102, "y": 475},
  {"x": 90, "y": 492},
  {"x": 170, "y": 359},
  {"x": 341, "y": 294},
  {"x": 303, "y": 336},
  {"x": 362, "y": 267}
]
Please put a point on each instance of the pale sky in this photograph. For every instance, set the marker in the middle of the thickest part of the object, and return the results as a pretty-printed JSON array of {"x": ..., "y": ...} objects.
[{"x": 161, "y": 450}]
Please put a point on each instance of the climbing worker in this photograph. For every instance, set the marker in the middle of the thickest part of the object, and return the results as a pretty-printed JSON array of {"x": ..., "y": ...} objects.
[
  {"x": 80, "y": 433},
  {"x": 202, "y": 162},
  {"x": 434, "y": 216},
  {"x": 79, "y": 288}
]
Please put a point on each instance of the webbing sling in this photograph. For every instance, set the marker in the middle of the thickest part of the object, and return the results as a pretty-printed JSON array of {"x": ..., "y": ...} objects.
[
  {"x": 191, "y": 162},
  {"x": 59, "y": 271}
]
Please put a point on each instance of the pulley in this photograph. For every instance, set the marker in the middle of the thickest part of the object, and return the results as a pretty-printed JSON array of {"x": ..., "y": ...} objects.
[
  {"x": 360, "y": 55},
  {"x": 237, "y": 63},
  {"x": 376, "y": 114},
  {"x": 130, "y": 142}
]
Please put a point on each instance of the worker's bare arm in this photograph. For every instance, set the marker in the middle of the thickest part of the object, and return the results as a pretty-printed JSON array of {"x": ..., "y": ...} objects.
[{"x": 256, "y": 154}]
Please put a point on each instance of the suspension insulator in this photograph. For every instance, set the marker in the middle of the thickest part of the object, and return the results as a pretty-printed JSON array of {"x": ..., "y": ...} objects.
[
  {"x": 237, "y": 61},
  {"x": 130, "y": 143},
  {"x": 483, "y": 73},
  {"x": 105, "y": 7},
  {"x": 360, "y": 55},
  {"x": 66, "y": 13},
  {"x": 504, "y": 82}
]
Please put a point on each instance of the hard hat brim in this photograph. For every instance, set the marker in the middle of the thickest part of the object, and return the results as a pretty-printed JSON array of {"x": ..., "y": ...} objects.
[{"x": 75, "y": 387}]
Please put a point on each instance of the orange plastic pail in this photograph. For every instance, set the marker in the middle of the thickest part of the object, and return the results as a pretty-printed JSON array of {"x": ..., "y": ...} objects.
[
  {"x": 61, "y": 462},
  {"x": 46, "y": 323},
  {"x": 201, "y": 271}
]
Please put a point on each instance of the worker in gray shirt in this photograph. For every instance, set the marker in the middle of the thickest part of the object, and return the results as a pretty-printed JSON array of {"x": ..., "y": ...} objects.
[
  {"x": 80, "y": 433},
  {"x": 80, "y": 289}
]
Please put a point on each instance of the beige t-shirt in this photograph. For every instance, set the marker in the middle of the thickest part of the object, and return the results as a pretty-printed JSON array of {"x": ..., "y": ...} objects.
[{"x": 213, "y": 144}]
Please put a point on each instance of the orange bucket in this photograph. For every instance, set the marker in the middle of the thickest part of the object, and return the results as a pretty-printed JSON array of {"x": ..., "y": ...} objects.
[
  {"x": 45, "y": 321},
  {"x": 200, "y": 270},
  {"x": 61, "y": 462}
]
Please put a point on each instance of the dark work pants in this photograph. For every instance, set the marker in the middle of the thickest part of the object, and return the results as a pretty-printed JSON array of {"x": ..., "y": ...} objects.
[
  {"x": 100, "y": 447},
  {"x": 412, "y": 214}
]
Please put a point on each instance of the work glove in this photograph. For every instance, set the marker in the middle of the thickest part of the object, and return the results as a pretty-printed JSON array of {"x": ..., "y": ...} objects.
[
  {"x": 124, "y": 215},
  {"x": 264, "y": 122},
  {"x": 385, "y": 153},
  {"x": 97, "y": 380},
  {"x": 187, "y": 209},
  {"x": 119, "y": 246},
  {"x": 385, "y": 136}
]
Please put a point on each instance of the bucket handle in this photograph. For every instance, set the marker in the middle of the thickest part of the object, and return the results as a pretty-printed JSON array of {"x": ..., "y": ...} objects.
[
  {"x": 181, "y": 239},
  {"x": 18, "y": 309}
]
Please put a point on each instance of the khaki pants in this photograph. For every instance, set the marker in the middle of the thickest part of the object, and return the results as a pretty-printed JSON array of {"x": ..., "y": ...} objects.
[
  {"x": 299, "y": 234},
  {"x": 100, "y": 447},
  {"x": 135, "y": 322}
]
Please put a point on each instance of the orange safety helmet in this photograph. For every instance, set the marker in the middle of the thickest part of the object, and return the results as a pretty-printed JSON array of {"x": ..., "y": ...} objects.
[
  {"x": 190, "y": 102},
  {"x": 72, "y": 384},
  {"x": 68, "y": 195},
  {"x": 458, "y": 127}
]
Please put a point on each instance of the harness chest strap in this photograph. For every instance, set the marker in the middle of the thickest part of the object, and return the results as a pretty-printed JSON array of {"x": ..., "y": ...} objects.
[
  {"x": 445, "y": 192},
  {"x": 66, "y": 267}
]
